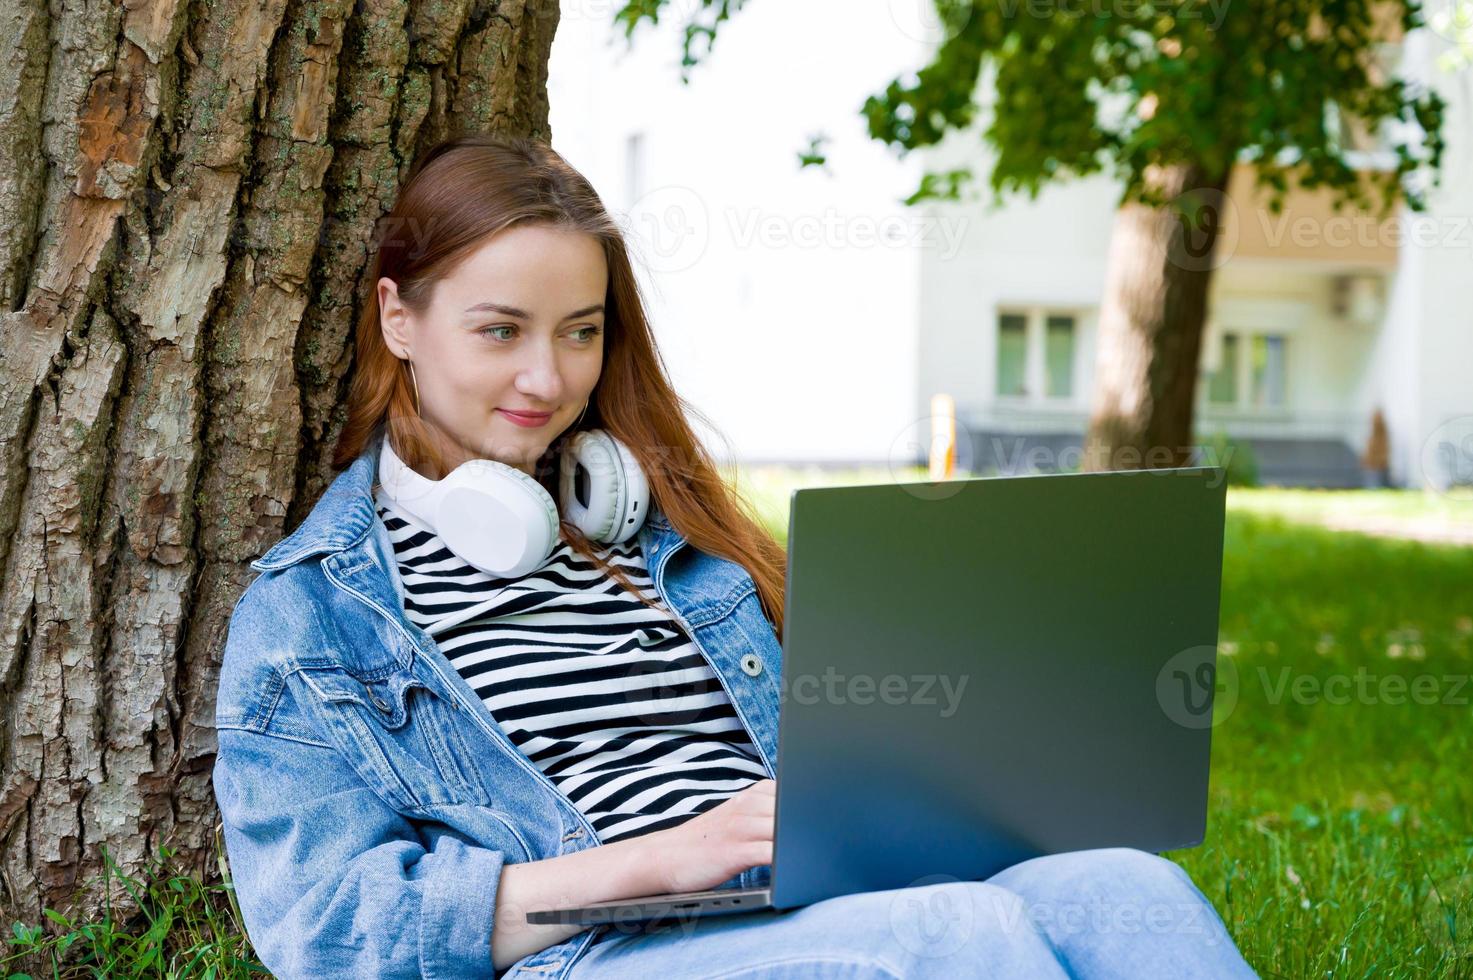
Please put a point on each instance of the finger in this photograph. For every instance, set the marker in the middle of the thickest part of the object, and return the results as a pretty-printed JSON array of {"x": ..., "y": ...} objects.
[
  {"x": 756, "y": 828},
  {"x": 757, "y": 853},
  {"x": 758, "y": 803}
]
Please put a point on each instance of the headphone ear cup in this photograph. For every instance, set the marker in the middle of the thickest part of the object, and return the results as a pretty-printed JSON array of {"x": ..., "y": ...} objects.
[
  {"x": 601, "y": 487},
  {"x": 492, "y": 516},
  {"x": 497, "y": 518},
  {"x": 636, "y": 495}
]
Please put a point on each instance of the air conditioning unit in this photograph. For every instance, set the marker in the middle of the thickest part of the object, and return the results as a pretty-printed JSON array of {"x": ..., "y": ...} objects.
[{"x": 1356, "y": 298}]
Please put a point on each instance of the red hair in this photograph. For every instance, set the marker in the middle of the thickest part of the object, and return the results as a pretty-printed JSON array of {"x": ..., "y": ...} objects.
[{"x": 460, "y": 193}]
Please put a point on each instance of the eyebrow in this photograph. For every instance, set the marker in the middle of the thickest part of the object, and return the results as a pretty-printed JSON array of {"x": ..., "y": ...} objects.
[{"x": 489, "y": 307}]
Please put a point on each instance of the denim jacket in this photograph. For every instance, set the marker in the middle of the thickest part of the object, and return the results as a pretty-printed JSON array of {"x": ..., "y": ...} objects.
[{"x": 369, "y": 798}]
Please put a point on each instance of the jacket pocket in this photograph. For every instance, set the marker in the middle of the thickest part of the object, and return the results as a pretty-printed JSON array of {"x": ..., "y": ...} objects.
[{"x": 402, "y": 736}]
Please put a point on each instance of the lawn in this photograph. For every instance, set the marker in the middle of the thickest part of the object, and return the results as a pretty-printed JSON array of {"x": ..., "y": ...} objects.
[{"x": 1340, "y": 827}]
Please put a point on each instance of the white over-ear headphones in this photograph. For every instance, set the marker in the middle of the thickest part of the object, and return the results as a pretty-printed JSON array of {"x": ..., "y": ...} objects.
[{"x": 500, "y": 520}]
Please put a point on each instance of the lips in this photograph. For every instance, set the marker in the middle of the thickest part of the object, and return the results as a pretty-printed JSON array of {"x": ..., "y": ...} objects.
[{"x": 527, "y": 419}]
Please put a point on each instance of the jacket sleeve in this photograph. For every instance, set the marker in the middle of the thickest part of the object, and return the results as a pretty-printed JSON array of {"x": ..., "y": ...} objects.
[{"x": 331, "y": 880}]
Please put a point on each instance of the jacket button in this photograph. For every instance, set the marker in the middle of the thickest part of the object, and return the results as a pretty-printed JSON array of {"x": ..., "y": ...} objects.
[
  {"x": 751, "y": 664},
  {"x": 381, "y": 704}
]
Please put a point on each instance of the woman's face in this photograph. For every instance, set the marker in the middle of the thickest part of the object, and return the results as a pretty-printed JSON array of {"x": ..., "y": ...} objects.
[{"x": 517, "y": 327}]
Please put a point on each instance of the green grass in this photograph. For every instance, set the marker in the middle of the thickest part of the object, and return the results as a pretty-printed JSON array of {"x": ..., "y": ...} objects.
[
  {"x": 1340, "y": 836},
  {"x": 179, "y": 926}
]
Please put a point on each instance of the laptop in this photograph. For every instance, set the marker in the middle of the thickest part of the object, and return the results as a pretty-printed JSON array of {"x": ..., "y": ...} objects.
[{"x": 1021, "y": 665}]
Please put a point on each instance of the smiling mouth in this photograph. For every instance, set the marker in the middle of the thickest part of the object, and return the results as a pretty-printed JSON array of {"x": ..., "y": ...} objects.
[{"x": 525, "y": 419}]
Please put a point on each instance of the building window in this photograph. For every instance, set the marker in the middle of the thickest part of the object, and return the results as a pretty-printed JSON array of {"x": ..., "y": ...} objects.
[
  {"x": 1252, "y": 373},
  {"x": 1035, "y": 354},
  {"x": 1222, "y": 384},
  {"x": 1012, "y": 354},
  {"x": 1268, "y": 371},
  {"x": 1058, "y": 353}
]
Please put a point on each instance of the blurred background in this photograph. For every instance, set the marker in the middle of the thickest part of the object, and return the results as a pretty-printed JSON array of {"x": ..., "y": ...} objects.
[{"x": 812, "y": 315}]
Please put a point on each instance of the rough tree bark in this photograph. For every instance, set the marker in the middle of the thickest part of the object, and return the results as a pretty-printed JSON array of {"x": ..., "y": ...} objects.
[
  {"x": 1151, "y": 320},
  {"x": 187, "y": 193}
]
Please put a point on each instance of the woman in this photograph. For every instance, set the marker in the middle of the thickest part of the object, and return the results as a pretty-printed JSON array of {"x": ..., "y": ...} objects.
[{"x": 479, "y": 679}]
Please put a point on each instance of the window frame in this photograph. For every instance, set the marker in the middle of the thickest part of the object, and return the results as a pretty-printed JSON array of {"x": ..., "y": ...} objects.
[
  {"x": 1035, "y": 355},
  {"x": 1243, "y": 374}
]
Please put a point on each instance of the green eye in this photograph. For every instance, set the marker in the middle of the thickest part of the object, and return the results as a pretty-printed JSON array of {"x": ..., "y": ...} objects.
[{"x": 487, "y": 331}]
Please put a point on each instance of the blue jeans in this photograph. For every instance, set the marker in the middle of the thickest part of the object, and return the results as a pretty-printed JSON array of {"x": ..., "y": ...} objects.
[{"x": 1108, "y": 912}]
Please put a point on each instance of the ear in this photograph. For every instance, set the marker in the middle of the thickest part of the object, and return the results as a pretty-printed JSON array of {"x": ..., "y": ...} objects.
[{"x": 393, "y": 318}]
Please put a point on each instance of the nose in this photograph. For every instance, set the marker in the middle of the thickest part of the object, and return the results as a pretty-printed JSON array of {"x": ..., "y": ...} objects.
[{"x": 539, "y": 377}]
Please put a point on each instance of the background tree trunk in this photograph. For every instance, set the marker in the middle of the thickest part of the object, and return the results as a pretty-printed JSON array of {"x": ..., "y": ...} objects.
[
  {"x": 188, "y": 192},
  {"x": 1151, "y": 319}
]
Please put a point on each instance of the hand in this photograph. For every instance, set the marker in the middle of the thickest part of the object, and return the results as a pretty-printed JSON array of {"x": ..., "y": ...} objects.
[{"x": 725, "y": 840}]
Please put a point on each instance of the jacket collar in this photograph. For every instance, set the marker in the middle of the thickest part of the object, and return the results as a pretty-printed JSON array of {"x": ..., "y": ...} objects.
[{"x": 345, "y": 514}]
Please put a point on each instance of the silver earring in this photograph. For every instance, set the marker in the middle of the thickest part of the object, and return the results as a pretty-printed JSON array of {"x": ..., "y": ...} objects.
[{"x": 584, "y": 412}]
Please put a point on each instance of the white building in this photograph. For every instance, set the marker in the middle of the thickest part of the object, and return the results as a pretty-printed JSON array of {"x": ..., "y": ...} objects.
[
  {"x": 1316, "y": 318},
  {"x": 811, "y": 316}
]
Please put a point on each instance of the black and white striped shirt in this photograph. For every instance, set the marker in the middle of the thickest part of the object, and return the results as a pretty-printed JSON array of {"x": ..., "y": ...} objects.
[{"x": 609, "y": 698}]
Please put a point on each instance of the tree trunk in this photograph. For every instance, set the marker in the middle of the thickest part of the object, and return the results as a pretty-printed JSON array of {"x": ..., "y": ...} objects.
[
  {"x": 1151, "y": 319},
  {"x": 188, "y": 192}
]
